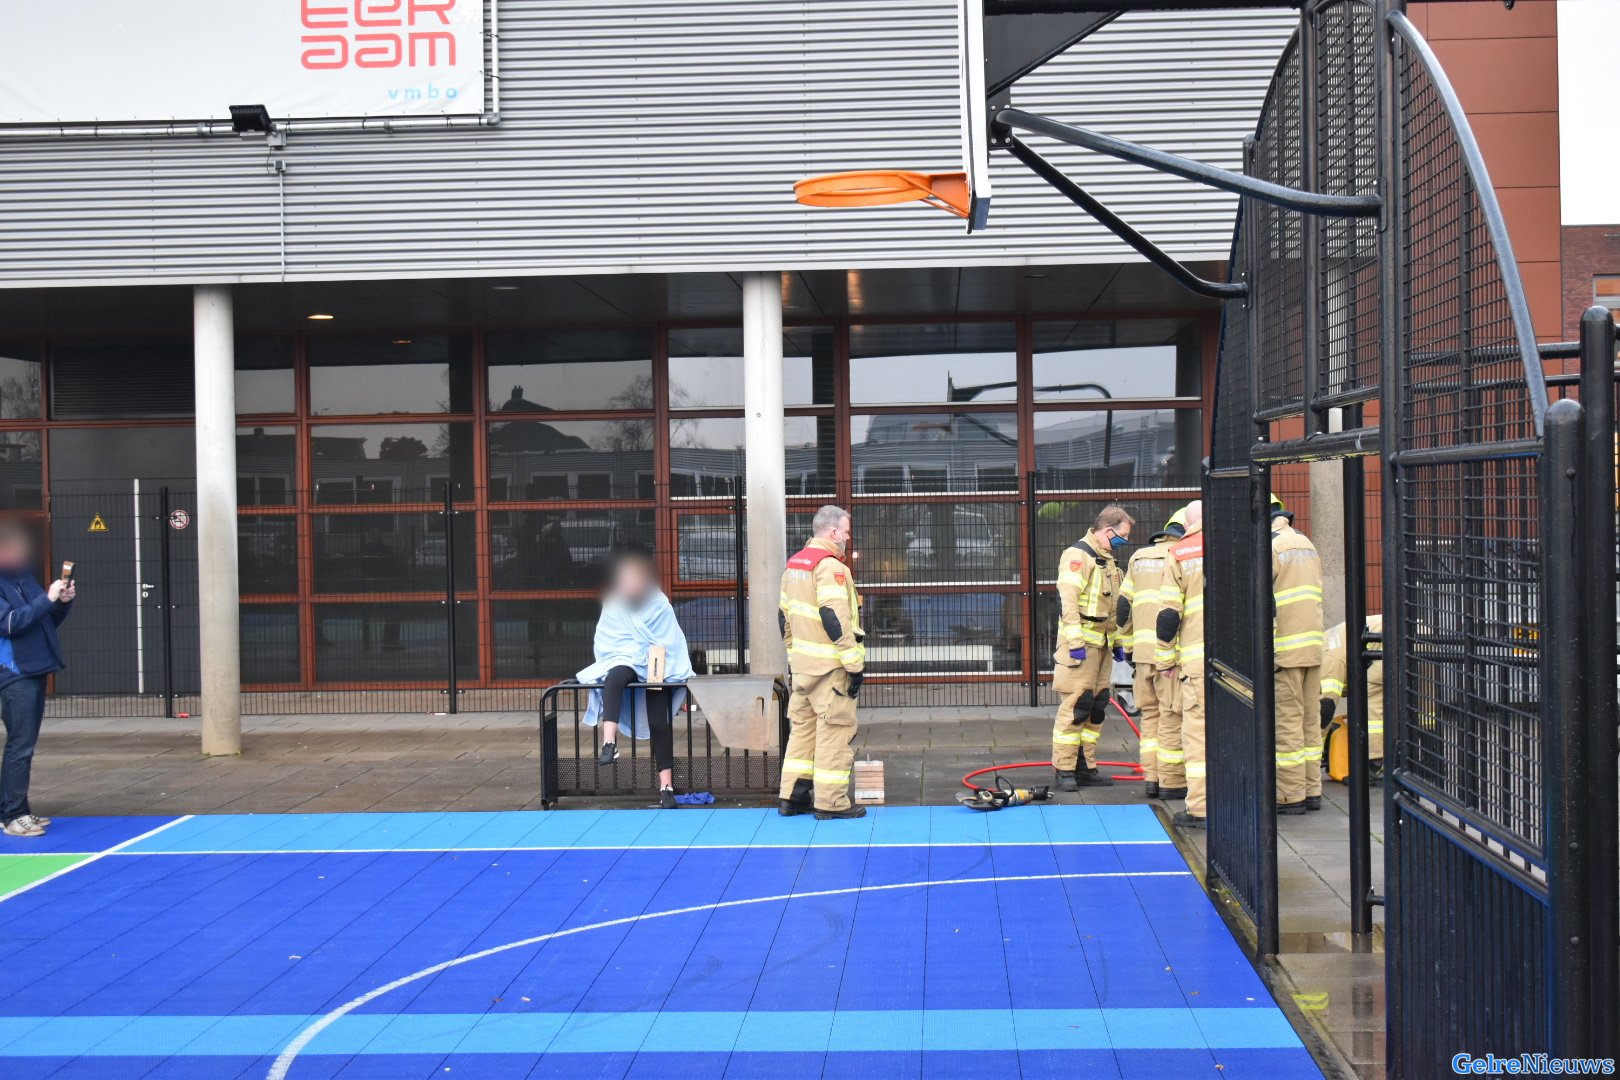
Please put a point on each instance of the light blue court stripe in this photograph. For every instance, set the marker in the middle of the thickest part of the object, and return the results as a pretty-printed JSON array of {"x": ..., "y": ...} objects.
[
  {"x": 887, "y": 826},
  {"x": 1257, "y": 1028}
]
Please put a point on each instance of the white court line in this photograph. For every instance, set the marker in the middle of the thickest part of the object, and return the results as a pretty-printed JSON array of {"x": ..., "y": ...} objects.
[
  {"x": 90, "y": 856},
  {"x": 632, "y": 847},
  {"x": 284, "y": 1061}
]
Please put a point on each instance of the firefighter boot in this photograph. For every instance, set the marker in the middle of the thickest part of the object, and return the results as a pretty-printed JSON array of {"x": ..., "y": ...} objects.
[
  {"x": 1189, "y": 821},
  {"x": 798, "y": 802},
  {"x": 846, "y": 812},
  {"x": 1066, "y": 781},
  {"x": 1092, "y": 778}
]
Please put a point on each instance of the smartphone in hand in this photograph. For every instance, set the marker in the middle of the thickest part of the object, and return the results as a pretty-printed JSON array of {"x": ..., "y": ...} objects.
[{"x": 67, "y": 571}]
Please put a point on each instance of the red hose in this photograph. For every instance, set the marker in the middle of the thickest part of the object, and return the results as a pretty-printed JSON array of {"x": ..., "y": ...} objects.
[{"x": 1136, "y": 767}]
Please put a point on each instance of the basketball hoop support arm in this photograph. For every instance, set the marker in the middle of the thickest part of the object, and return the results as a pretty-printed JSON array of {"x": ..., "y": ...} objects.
[
  {"x": 1120, "y": 228},
  {"x": 1305, "y": 202}
]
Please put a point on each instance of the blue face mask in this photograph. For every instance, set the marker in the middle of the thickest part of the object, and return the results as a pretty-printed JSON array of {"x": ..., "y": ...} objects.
[{"x": 1116, "y": 542}]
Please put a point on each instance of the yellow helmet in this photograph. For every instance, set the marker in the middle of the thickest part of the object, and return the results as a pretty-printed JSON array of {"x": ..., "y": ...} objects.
[
  {"x": 1280, "y": 510},
  {"x": 1176, "y": 526}
]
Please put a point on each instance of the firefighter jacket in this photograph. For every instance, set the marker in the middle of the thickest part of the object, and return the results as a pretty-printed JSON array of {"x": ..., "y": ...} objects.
[
  {"x": 1296, "y": 585},
  {"x": 1137, "y": 612},
  {"x": 1087, "y": 583},
  {"x": 820, "y": 612},
  {"x": 1180, "y": 623},
  {"x": 1337, "y": 650}
]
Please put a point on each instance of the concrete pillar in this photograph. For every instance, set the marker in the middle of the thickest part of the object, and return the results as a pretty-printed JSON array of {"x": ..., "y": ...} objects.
[
  {"x": 764, "y": 438},
  {"x": 218, "y": 586},
  {"x": 1327, "y": 526}
]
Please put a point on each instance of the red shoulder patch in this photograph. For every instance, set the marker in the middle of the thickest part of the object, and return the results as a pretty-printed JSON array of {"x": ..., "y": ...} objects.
[
  {"x": 838, "y": 576},
  {"x": 1074, "y": 565}
]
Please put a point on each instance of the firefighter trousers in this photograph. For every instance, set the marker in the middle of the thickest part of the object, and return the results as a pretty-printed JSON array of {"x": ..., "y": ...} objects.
[
  {"x": 1299, "y": 733},
  {"x": 1172, "y": 755},
  {"x": 1190, "y": 698},
  {"x": 818, "y": 757},
  {"x": 1147, "y": 706},
  {"x": 1083, "y": 691}
]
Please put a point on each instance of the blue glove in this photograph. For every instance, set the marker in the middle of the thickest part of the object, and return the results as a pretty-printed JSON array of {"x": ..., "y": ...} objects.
[
  {"x": 1077, "y": 654},
  {"x": 1119, "y": 654}
]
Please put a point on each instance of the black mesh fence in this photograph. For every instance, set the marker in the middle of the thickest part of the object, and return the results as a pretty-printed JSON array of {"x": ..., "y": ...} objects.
[{"x": 1278, "y": 251}]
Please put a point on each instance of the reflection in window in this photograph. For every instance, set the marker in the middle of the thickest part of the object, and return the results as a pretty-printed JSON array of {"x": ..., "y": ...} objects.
[
  {"x": 375, "y": 642},
  {"x": 264, "y": 376},
  {"x": 1118, "y": 449},
  {"x": 705, "y": 368},
  {"x": 812, "y": 455},
  {"x": 354, "y": 376},
  {"x": 543, "y": 639},
  {"x": 269, "y": 643},
  {"x": 21, "y": 472},
  {"x": 19, "y": 386},
  {"x": 705, "y": 455},
  {"x": 384, "y": 463},
  {"x": 931, "y": 543},
  {"x": 901, "y": 453},
  {"x": 267, "y": 554},
  {"x": 1060, "y": 520},
  {"x": 939, "y": 362},
  {"x": 706, "y": 548},
  {"x": 544, "y": 549},
  {"x": 1082, "y": 361},
  {"x": 389, "y": 553},
  {"x": 556, "y": 460},
  {"x": 266, "y": 462},
  {"x": 556, "y": 371}
]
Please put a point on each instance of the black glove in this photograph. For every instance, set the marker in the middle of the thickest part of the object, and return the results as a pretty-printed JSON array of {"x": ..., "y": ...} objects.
[
  {"x": 855, "y": 680},
  {"x": 1327, "y": 712}
]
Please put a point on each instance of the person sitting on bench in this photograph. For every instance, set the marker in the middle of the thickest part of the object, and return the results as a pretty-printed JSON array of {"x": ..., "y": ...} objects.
[{"x": 637, "y": 628}]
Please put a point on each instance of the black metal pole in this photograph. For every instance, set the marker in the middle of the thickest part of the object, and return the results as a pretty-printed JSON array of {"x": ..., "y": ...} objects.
[
  {"x": 1032, "y": 595},
  {"x": 1566, "y": 765},
  {"x": 164, "y": 549},
  {"x": 1311, "y": 224},
  {"x": 1597, "y": 534},
  {"x": 1355, "y": 621},
  {"x": 738, "y": 508},
  {"x": 451, "y": 686}
]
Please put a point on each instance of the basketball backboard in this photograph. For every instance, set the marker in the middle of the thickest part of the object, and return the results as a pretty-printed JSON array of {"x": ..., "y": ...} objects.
[{"x": 975, "y": 111}]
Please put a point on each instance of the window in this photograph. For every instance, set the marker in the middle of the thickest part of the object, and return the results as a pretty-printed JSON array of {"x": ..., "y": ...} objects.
[
  {"x": 19, "y": 384},
  {"x": 354, "y": 376},
  {"x": 1078, "y": 361},
  {"x": 383, "y": 463},
  {"x": 932, "y": 363},
  {"x": 266, "y": 466},
  {"x": 1606, "y": 291},
  {"x": 918, "y": 453},
  {"x": 264, "y": 376},
  {"x": 558, "y": 371},
  {"x": 552, "y": 460},
  {"x": 1117, "y": 449}
]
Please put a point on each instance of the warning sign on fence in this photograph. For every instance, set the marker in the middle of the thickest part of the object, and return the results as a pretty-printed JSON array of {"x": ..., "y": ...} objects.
[
  {"x": 179, "y": 519},
  {"x": 97, "y": 525}
]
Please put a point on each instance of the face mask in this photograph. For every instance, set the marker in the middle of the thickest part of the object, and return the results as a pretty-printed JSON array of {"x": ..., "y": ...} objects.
[{"x": 1116, "y": 541}]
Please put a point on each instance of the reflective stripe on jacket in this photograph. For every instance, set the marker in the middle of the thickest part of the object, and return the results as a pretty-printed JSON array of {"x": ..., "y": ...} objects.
[
  {"x": 1183, "y": 593},
  {"x": 1088, "y": 582},
  {"x": 1144, "y": 579}
]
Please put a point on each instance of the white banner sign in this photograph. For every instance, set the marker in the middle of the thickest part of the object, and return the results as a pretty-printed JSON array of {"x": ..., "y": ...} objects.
[{"x": 77, "y": 61}]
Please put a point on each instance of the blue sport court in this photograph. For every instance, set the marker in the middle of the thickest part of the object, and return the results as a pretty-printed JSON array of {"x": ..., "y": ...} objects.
[{"x": 1041, "y": 941}]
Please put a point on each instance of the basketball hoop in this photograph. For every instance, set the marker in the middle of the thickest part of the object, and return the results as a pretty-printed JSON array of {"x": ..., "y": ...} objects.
[{"x": 885, "y": 187}]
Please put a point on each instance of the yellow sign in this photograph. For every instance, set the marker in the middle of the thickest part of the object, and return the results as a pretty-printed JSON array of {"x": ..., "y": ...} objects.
[{"x": 97, "y": 525}]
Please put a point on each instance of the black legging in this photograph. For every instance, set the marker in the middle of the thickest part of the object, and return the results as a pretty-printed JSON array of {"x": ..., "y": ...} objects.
[{"x": 658, "y": 720}]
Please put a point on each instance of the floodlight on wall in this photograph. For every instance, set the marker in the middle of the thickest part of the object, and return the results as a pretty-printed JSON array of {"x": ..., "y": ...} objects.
[{"x": 246, "y": 119}]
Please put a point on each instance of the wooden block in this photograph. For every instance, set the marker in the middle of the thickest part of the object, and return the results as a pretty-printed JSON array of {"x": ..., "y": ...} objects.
[
  {"x": 867, "y": 785},
  {"x": 657, "y": 663}
]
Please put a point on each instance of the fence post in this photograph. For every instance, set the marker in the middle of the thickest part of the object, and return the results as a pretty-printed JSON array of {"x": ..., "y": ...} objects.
[
  {"x": 1597, "y": 537},
  {"x": 1565, "y": 778},
  {"x": 738, "y": 508},
  {"x": 166, "y": 593},
  {"x": 1356, "y": 705},
  {"x": 1265, "y": 716},
  {"x": 449, "y": 513},
  {"x": 1033, "y": 594}
]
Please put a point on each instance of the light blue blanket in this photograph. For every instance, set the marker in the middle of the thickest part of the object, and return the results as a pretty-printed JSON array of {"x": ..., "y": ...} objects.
[{"x": 623, "y": 637}]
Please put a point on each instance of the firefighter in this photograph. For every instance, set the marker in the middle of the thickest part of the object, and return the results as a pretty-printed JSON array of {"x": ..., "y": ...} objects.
[
  {"x": 1336, "y": 670},
  {"x": 820, "y": 620},
  {"x": 1137, "y": 615},
  {"x": 1179, "y": 632},
  {"x": 1088, "y": 582},
  {"x": 1297, "y": 635}
]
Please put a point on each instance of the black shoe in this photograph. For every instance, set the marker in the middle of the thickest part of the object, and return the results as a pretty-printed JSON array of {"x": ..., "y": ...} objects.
[
  {"x": 609, "y": 753},
  {"x": 1291, "y": 809},
  {"x": 1066, "y": 781},
  {"x": 1375, "y": 774},
  {"x": 1172, "y": 793},
  {"x": 839, "y": 815},
  {"x": 1313, "y": 802},
  {"x": 1151, "y": 789},
  {"x": 666, "y": 799},
  {"x": 1092, "y": 778},
  {"x": 1189, "y": 821},
  {"x": 789, "y": 808}
]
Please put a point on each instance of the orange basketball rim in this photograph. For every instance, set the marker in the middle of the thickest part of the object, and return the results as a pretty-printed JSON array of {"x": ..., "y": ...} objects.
[{"x": 885, "y": 187}]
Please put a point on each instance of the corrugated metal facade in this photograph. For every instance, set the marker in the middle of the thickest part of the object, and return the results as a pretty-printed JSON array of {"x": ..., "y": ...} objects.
[{"x": 646, "y": 136}]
